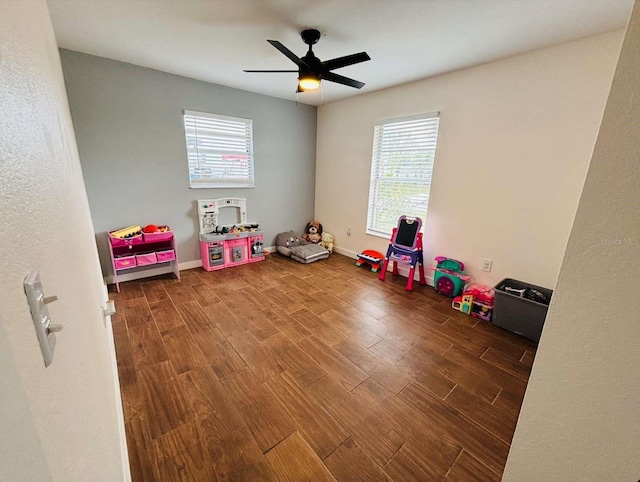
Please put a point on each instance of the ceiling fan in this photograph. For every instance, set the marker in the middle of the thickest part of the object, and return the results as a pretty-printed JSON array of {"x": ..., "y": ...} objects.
[{"x": 311, "y": 70}]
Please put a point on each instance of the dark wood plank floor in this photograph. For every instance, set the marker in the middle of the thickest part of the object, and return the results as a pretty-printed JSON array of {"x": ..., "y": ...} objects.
[{"x": 283, "y": 371}]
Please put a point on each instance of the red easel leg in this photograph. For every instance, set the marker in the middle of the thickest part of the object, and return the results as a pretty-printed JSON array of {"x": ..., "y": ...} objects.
[
  {"x": 410, "y": 279},
  {"x": 395, "y": 267},
  {"x": 384, "y": 269},
  {"x": 423, "y": 281}
]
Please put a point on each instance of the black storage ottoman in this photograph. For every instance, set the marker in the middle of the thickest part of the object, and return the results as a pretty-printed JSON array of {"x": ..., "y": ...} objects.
[{"x": 520, "y": 315}]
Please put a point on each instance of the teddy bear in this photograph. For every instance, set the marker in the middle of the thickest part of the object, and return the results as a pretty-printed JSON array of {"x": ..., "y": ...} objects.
[
  {"x": 313, "y": 232},
  {"x": 327, "y": 242}
]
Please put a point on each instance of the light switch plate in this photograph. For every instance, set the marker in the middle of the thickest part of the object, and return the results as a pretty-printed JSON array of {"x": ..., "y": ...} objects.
[
  {"x": 487, "y": 264},
  {"x": 40, "y": 314}
]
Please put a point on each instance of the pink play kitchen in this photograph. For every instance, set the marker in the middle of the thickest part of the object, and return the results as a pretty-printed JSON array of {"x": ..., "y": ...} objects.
[{"x": 232, "y": 244}]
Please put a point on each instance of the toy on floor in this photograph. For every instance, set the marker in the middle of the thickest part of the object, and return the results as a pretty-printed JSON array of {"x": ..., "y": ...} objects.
[
  {"x": 449, "y": 278},
  {"x": 313, "y": 232},
  {"x": 476, "y": 300},
  {"x": 405, "y": 248},
  {"x": 372, "y": 258},
  {"x": 327, "y": 242}
]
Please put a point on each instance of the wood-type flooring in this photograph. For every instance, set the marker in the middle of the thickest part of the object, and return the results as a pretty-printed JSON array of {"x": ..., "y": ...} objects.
[{"x": 282, "y": 371}]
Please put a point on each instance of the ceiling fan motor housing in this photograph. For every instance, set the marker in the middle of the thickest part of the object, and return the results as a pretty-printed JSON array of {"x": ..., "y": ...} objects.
[{"x": 310, "y": 36}]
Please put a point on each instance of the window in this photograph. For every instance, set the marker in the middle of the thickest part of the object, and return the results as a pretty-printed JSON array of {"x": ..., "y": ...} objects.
[
  {"x": 219, "y": 150},
  {"x": 401, "y": 168}
]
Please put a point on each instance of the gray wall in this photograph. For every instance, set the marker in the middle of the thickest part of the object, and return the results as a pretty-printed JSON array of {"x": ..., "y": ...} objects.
[{"x": 128, "y": 122}]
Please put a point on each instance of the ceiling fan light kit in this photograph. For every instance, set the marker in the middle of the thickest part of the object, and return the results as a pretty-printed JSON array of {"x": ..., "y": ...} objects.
[
  {"x": 311, "y": 70},
  {"x": 308, "y": 81}
]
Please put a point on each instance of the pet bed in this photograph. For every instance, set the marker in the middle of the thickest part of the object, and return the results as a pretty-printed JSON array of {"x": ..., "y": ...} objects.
[{"x": 291, "y": 245}]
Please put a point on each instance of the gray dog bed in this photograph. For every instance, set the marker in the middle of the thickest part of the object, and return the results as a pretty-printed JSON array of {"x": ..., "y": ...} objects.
[{"x": 293, "y": 246}]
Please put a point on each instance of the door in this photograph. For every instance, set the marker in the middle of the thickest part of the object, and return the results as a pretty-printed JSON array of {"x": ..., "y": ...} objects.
[{"x": 61, "y": 422}]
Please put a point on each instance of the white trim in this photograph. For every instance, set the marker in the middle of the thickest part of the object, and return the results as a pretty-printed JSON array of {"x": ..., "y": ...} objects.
[
  {"x": 404, "y": 271},
  {"x": 345, "y": 252},
  {"x": 428, "y": 115},
  {"x": 124, "y": 452},
  {"x": 402, "y": 148},
  {"x": 134, "y": 275},
  {"x": 216, "y": 141},
  {"x": 196, "y": 263},
  {"x": 378, "y": 234},
  {"x": 210, "y": 115}
]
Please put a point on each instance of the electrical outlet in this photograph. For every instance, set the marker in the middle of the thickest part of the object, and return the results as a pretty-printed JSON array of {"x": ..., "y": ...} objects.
[
  {"x": 348, "y": 230},
  {"x": 486, "y": 264}
]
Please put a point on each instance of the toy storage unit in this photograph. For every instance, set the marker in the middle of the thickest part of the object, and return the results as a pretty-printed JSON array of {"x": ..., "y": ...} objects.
[
  {"x": 142, "y": 250},
  {"x": 519, "y": 315},
  {"x": 224, "y": 246}
]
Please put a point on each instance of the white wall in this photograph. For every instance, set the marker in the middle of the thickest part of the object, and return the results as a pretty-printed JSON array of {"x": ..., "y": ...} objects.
[
  {"x": 515, "y": 140},
  {"x": 59, "y": 422},
  {"x": 581, "y": 414}
]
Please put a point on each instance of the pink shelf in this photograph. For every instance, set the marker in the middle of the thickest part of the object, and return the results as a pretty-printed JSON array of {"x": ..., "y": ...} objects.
[{"x": 144, "y": 250}]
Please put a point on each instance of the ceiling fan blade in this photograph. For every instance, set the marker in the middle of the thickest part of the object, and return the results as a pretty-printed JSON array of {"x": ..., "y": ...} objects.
[
  {"x": 330, "y": 76},
  {"x": 270, "y": 71},
  {"x": 344, "y": 61},
  {"x": 293, "y": 57}
]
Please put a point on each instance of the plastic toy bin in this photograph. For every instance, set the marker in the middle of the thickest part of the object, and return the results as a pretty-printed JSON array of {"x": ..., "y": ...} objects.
[
  {"x": 156, "y": 237},
  {"x": 519, "y": 315},
  {"x": 120, "y": 242},
  {"x": 145, "y": 259},
  {"x": 125, "y": 262},
  {"x": 167, "y": 255}
]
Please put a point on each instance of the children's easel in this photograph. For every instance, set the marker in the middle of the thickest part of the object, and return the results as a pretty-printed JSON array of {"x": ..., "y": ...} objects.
[{"x": 406, "y": 248}]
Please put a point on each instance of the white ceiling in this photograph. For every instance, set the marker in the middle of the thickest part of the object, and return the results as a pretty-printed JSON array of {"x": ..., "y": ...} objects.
[{"x": 214, "y": 40}]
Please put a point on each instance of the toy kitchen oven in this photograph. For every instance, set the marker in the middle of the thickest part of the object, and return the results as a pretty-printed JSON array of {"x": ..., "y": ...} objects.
[{"x": 226, "y": 245}]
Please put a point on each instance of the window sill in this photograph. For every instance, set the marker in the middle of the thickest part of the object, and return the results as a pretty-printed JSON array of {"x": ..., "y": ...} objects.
[
  {"x": 223, "y": 186},
  {"x": 378, "y": 234}
]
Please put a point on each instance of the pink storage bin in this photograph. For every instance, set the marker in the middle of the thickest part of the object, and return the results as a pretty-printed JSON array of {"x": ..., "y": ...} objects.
[
  {"x": 164, "y": 256},
  {"x": 146, "y": 259},
  {"x": 119, "y": 242},
  {"x": 125, "y": 262},
  {"x": 155, "y": 237}
]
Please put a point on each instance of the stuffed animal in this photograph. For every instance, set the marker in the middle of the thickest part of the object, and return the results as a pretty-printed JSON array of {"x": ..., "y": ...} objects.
[
  {"x": 327, "y": 242},
  {"x": 313, "y": 232}
]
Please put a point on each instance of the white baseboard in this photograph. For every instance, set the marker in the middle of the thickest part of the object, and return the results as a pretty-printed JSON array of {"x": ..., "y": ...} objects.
[
  {"x": 196, "y": 263},
  {"x": 124, "y": 453},
  {"x": 134, "y": 275},
  {"x": 402, "y": 269},
  {"x": 345, "y": 252}
]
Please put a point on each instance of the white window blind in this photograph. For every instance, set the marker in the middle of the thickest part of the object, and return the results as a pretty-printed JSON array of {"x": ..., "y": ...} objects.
[
  {"x": 219, "y": 150},
  {"x": 401, "y": 170}
]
